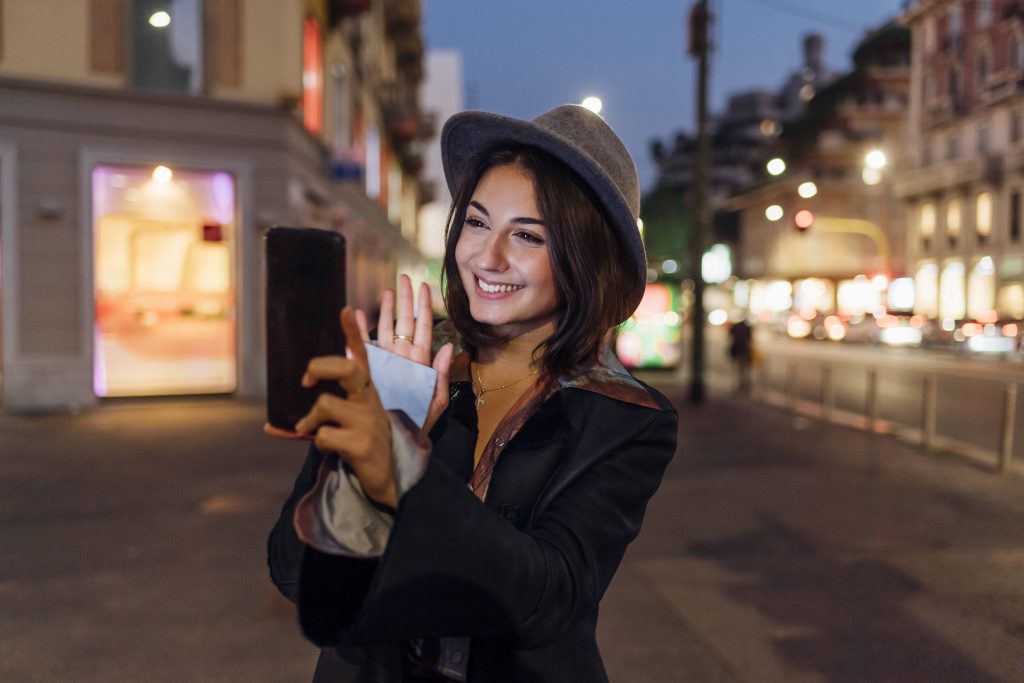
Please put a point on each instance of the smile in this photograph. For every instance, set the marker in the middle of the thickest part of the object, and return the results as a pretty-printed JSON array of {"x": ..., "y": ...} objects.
[{"x": 496, "y": 288}]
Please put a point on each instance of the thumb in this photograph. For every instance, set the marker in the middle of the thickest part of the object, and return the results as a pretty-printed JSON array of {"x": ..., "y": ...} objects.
[{"x": 442, "y": 364}]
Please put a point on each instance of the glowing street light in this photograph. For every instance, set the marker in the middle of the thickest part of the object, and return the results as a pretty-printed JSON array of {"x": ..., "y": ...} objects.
[
  {"x": 875, "y": 159},
  {"x": 160, "y": 19},
  {"x": 776, "y": 166},
  {"x": 592, "y": 103},
  {"x": 774, "y": 212},
  {"x": 807, "y": 189}
]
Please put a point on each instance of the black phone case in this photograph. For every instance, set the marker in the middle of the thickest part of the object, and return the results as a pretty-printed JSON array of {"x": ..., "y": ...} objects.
[{"x": 305, "y": 276}]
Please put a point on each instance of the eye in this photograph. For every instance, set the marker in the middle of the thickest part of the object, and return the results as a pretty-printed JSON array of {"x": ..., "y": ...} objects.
[
  {"x": 529, "y": 237},
  {"x": 474, "y": 222}
]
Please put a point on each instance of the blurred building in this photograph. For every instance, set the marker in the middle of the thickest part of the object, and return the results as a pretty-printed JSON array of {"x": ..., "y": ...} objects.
[
  {"x": 742, "y": 139},
  {"x": 964, "y": 175},
  {"x": 802, "y": 85},
  {"x": 823, "y": 214},
  {"x": 442, "y": 94},
  {"x": 145, "y": 147}
]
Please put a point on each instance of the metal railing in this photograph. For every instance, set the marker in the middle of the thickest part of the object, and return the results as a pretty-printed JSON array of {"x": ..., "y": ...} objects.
[{"x": 958, "y": 404}]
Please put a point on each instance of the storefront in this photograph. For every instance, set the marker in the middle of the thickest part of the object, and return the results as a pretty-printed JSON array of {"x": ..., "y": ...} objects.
[
  {"x": 131, "y": 241},
  {"x": 164, "y": 288}
]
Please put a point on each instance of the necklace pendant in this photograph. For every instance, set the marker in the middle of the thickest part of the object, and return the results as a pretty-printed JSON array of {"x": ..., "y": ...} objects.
[{"x": 480, "y": 398}]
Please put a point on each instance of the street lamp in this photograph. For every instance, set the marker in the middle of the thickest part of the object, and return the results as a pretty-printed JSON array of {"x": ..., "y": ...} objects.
[
  {"x": 807, "y": 189},
  {"x": 776, "y": 166},
  {"x": 874, "y": 162},
  {"x": 592, "y": 103}
]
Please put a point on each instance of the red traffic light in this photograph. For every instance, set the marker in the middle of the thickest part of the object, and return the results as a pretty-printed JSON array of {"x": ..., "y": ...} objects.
[{"x": 803, "y": 219}]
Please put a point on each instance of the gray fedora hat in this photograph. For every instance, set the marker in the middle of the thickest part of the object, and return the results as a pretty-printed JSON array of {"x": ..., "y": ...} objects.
[{"x": 580, "y": 139}]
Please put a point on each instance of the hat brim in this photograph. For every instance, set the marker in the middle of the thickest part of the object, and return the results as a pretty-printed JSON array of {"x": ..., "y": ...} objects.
[{"x": 467, "y": 133}]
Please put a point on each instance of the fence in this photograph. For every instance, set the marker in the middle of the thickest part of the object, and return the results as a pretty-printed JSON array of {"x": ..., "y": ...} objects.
[{"x": 944, "y": 402}]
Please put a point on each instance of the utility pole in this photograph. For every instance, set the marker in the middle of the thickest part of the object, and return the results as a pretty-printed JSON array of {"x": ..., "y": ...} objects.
[{"x": 700, "y": 18}]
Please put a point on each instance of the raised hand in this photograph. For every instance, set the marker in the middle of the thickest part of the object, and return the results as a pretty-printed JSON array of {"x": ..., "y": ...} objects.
[
  {"x": 411, "y": 337},
  {"x": 355, "y": 427}
]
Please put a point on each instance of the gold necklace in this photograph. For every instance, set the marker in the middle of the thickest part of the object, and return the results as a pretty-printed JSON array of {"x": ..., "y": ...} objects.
[{"x": 482, "y": 390}]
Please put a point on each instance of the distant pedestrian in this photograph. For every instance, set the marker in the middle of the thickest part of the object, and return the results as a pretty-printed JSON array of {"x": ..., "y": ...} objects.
[
  {"x": 479, "y": 548},
  {"x": 741, "y": 350}
]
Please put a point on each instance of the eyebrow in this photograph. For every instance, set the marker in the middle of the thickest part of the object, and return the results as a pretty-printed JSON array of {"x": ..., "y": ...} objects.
[{"x": 518, "y": 220}]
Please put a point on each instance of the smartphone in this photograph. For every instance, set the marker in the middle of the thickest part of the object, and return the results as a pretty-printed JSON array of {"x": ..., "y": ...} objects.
[{"x": 305, "y": 278}]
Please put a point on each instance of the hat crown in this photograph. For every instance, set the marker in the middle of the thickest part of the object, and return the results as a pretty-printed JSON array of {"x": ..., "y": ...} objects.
[{"x": 589, "y": 134}]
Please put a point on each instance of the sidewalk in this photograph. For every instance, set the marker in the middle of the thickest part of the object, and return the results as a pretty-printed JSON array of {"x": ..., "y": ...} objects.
[{"x": 778, "y": 549}]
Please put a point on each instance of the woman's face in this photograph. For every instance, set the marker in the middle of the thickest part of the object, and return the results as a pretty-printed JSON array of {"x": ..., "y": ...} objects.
[{"x": 504, "y": 256}]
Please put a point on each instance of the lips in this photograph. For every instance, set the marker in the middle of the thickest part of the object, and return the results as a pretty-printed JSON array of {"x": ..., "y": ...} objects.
[{"x": 496, "y": 287}]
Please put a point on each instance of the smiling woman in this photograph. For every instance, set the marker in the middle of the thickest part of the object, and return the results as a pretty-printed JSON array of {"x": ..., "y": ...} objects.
[{"x": 478, "y": 547}]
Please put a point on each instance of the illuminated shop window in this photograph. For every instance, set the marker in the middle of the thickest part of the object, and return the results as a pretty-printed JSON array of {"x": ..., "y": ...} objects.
[
  {"x": 926, "y": 222},
  {"x": 926, "y": 286},
  {"x": 981, "y": 288},
  {"x": 953, "y": 220},
  {"x": 813, "y": 295},
  {"x": 1011, "y": 301},
  {"x": 858, "y": 296},
  {"x": 983, "y": 216},
  {"x": 164, "y": 281},
  {"x": 952, "y": 304}
]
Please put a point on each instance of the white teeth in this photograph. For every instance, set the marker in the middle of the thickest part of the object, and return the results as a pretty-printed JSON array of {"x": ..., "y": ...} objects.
[{"x": 495, "y": 289}]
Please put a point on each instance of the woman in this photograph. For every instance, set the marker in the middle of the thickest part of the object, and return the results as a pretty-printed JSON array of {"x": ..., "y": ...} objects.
[{"x": 481, "y": 552}]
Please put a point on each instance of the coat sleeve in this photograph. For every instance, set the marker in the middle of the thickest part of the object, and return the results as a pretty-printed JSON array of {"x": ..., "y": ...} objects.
[
  {"x": 453, "y": 567},
  {"x": 285, "y": 550}
]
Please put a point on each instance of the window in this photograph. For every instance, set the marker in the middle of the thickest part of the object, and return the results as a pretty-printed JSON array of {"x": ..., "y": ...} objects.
[
  {"x": 167, "y": 45},
  {"x": 952, "y": 147},
  {"x": 1016, "y": 126},
  {"x": 984, "y": 67},
  {"x": 983, "y": 139},
  {"x": 1017, "y": 52},
  {"x": 984, "y": 12},
  {"x": 954, "y": 24},
  {"x": 1015, "y": 216},
  {"x": 953, "y": 220},
  {"x": 981, "y": 288},
  {"x": 983, "y": 216},
  {"x": 952, "y": 294},
  {"x": 926, "y": 223}
]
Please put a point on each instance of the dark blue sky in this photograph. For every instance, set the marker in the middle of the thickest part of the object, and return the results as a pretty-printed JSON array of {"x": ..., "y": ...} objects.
[{"x": 523, "y": 57}]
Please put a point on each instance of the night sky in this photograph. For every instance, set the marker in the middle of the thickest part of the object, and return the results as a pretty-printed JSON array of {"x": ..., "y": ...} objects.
[{"x": 523, "y": 57}]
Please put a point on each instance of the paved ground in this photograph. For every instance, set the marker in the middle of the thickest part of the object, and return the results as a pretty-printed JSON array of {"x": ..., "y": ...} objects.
[{"x": 778, "y": 549}]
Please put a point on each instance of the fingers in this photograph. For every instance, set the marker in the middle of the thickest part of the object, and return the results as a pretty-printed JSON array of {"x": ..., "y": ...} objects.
[
  {"x": 364, "y": 327},
  {"x": 350, "y": 326},
  {"x": 386, "y": 320},
  {"x": 404, "y": 325},
  {"x": 278, "y": 433},
  {"x": 348, "y": 373},
  {"x": 424, "y": 320},
  {"x": 439, "y": 401},
  {"x": 442, "y": 364}
]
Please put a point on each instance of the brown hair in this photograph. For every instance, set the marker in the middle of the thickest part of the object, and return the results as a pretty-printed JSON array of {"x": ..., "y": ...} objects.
[{"x": 592, "y": 279}]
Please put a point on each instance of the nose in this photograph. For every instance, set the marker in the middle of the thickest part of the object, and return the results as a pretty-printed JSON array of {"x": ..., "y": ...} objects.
[{"x": 491, "y": 256}]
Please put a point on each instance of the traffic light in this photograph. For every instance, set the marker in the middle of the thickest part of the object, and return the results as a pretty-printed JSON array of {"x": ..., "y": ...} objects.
[{"x": 803, "y": 219}]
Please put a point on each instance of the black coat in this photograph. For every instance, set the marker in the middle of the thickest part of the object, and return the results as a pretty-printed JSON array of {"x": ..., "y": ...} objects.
[{"x": 521, "y": 574}]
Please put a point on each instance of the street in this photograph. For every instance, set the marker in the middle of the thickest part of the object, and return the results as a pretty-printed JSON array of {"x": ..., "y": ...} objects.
[{"x": 779, "y": 548}]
